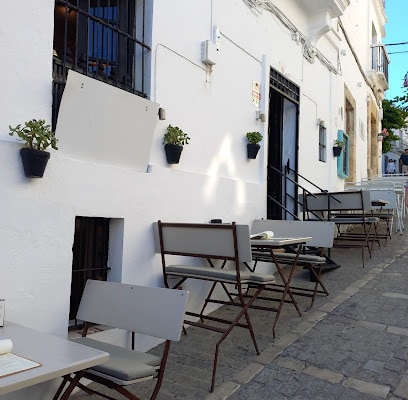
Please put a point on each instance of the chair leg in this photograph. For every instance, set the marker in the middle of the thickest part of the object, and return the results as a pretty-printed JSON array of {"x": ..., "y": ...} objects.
[
  {"x": 161, "y": 371},
  {"x": 207, "y": 299},
  {"x": 126, "y": 393},
  {"x": 243, "y": 312}
]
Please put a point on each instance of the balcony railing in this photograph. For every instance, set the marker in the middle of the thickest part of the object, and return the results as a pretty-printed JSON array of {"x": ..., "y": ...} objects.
[{"x": 380, "y": 60}]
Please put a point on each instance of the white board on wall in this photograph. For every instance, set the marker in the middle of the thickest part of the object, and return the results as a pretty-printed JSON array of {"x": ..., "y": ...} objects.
[{"x": 100, "y": 123}]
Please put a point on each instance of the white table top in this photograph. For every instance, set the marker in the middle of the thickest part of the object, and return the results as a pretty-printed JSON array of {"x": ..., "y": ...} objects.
[
  {"x": 276, "y": 242},
  {"x": 57, "y": 355}
]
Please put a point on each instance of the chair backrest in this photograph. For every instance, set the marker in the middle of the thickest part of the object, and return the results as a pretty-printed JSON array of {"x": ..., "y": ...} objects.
[
  {"x": 377, "y": 184},
  {"x": 322, "y": 232},
  {"x": 215, "y": 241},
  {"x": 358, "y": 200},
  {"x": 355, "y": 185},
  {"x": 151, "y": 311},
  {"x": 398, "y": 181}
]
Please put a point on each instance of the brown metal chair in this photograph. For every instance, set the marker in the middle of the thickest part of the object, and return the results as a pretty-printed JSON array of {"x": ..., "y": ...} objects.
[
  {"x": 230, "y": 245},
  {"x": 346, "y": 209}
]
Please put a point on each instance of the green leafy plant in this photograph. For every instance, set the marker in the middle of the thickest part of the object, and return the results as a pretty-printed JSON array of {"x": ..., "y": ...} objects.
[
  {"x": 395, "y": 114},
  {"x": 338, "y": 143},
  {"x": 175, "y": 135},
  {"x": 254, "y": 137},
  {"x": 36, "y": 134}
]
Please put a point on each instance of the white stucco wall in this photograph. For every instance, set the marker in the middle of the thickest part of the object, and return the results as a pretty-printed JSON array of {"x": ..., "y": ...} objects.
[
  {"x": 362, "y": 34},
  {"x": 214, "y": 178}
]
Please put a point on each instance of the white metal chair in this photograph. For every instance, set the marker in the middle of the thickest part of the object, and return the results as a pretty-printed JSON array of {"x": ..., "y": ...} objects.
[
  {"x": 388, "y": 211},
  {"x": 346, "y": 209},
  {"x": 396, "y": 183}
]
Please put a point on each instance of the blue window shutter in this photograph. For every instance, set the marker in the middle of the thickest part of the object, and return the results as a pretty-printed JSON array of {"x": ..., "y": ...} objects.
[{"x": 343, "y": 159}]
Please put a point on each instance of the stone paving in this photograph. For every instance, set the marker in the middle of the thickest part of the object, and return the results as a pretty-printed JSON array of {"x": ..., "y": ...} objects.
[{"x": 352, "y": 344}]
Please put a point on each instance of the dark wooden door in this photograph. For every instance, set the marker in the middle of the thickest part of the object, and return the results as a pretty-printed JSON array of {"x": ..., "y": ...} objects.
[{"x": 89, "y": 258}]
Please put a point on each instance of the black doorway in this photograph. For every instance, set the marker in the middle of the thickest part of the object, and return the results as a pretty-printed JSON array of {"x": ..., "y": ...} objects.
[
  {"x": 89, "y": 258},
  {"x": 282, "y": 148}
]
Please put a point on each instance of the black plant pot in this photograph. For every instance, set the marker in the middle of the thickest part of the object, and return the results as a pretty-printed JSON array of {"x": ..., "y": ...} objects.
[
  {"x": 173, "y": 153},
  {"x": 34, "y": 162},
  {"x": 253, "y": 150},
  {"x": 337, "y": 151}
]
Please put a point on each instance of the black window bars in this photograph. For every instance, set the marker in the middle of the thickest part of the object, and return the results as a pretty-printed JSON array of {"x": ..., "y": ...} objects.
[{"x": 104, "y": 39}]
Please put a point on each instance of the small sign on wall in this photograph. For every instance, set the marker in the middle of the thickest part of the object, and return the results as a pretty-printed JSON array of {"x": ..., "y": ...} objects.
[{"x": 256, "y": 93}]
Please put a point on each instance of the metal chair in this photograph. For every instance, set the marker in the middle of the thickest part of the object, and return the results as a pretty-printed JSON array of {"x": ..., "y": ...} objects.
[{"x": 156, "y": 312}]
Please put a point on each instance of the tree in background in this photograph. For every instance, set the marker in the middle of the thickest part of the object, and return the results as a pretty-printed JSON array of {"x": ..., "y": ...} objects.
[{"x": 395, "y": 113}]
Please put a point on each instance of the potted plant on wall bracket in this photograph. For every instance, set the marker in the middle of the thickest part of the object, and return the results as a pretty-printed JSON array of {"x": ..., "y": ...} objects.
[
  {"x": 174, "y": 140},
  {"x": 337, "y": 147},
  {"x": 37, "y": 136},
  {"x": 253, "y": 144}
]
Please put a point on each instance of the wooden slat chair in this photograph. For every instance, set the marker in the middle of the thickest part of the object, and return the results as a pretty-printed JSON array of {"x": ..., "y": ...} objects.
[
  {"x": 346, "y": 209},
  {"x": 228, "y": 243},
  {"x": 156, "y": 312}
]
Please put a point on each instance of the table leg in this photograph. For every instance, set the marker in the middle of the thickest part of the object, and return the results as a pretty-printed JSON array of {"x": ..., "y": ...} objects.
[{"x": 286, "y": 282}]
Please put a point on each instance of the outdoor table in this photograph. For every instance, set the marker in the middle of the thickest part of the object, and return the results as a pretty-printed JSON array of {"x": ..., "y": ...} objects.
[
  {"x": 57, "y": 357},
  {"x": 268, "y": 246}
]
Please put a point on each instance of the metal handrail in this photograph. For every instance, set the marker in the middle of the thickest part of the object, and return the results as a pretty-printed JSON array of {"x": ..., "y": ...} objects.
[{"x": 287, "y": 170}]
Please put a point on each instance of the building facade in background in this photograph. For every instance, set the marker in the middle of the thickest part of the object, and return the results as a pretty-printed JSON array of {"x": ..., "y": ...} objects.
[{"x": 111, "y": 75}]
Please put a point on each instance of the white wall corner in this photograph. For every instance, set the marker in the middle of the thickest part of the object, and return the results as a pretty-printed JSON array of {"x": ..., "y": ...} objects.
[
  {"x": 341, "y": 5},
  {"x": 319, "y": 25}
]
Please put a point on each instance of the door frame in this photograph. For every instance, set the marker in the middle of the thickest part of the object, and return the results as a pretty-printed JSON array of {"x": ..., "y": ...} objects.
[{"x": 281, "y": 90}]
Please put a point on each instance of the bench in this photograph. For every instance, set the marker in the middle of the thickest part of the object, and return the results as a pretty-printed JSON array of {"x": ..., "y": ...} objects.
[
  {"x": 155, "y": 312},
  {"x": 219, "y": 249},
  {"x": 346, "y": 209}
]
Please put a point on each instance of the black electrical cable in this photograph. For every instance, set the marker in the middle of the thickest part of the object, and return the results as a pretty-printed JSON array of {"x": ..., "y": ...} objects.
[{"x": 395, "y": 44}]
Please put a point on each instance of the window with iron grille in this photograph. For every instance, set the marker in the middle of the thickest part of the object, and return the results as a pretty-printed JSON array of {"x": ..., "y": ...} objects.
[
  {"x": 104, "y": 39},
  {"x": 284, "y": 86},
  {"x": 322, "y": 143}
]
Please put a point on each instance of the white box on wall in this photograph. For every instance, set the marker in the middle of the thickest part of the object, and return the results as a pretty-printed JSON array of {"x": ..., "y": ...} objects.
[
  {"x": 2, "y": 305},
  {"x": 208, "y": 52}
]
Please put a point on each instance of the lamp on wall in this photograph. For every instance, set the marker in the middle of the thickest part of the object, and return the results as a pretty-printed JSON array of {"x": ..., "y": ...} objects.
[
  {"x": 162, "y": 114},
  {"x": 261, "y": 116}
]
